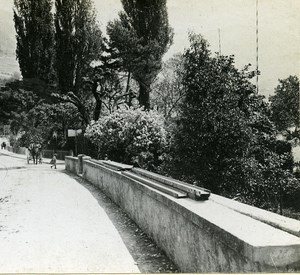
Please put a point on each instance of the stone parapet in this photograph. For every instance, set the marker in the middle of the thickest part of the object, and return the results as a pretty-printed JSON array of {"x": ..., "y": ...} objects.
[{"x": 216, "y": 235}]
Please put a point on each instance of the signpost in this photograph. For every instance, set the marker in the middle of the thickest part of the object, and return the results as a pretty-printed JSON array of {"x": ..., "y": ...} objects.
[{"x": 55, "y": 137}]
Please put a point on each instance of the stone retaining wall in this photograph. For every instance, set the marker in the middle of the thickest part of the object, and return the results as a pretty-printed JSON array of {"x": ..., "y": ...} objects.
[
  {"x": 71, "y": 164},
  {"x": 199, "y": 236}
]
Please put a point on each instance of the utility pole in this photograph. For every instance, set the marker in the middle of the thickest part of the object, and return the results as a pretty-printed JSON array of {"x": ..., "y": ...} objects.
[
  {"x": 299, "y": 107},
  {"x": 76, "y": 146},
  {"x": 257, "y": 46},
  {"x": 220, "y": 50}
]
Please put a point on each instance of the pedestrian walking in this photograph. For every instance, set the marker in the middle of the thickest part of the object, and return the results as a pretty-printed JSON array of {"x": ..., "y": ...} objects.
[{"x": 53, "y": 161}]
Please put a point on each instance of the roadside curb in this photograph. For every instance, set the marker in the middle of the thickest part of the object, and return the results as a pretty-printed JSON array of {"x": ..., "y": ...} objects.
[{"x": 12, "y": 168}]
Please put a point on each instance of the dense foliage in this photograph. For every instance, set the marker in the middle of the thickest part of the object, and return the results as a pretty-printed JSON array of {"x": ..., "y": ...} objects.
[
  {"x": 28, "y": 114},
  {"x": 224, "y": 139},
  {"x": 56, "y": 48},
  {"x": 167, "y": 91},
  {"x": 285, "y": 104},
  {"x": 130, "y": 136},
  {"x": 35, "y": 38},
  {"x": 78, "y": 43},
  {"x": 141, "y": 37}
]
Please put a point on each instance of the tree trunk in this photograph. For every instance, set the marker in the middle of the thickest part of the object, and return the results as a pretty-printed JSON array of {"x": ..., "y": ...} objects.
[
  {"x": 144, "y": 96},
  {"x": 280, "y": 200},
  {"x": 98, "y": 107},
  {"x": 128, "y": 83},
  {"x": 82, "y": 110}
]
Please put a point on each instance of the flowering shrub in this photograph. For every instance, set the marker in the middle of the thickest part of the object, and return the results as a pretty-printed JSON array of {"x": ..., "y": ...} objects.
[{"x": 130, "y": 136}]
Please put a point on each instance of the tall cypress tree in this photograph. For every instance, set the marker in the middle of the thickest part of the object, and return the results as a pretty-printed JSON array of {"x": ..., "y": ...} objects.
[
  {"x": 34, "y": 27},
  {"x": 141, "y": 36},
  {"x": 78, "y": 42}
]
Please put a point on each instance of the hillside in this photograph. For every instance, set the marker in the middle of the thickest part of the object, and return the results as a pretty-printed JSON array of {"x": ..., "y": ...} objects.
[
  {"x": 8, "y": 66},
  {"x": 7, "y": 33},
  {"x": 8, "y": 62}
]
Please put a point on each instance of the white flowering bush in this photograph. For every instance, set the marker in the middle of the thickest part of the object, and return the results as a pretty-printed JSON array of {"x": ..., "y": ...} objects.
[{"x": 130, "y": 136}]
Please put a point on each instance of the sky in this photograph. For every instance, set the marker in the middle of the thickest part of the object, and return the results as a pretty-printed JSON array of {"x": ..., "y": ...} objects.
[{"x": 279, "y": 31}]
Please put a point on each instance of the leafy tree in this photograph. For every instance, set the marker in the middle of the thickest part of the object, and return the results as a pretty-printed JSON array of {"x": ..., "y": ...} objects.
[
  {"x": 167, "y": 92},
  {"x": 27, "y": 113},
  {"x": 16, "y": 101},
  {"x": 141, "y": 36},
  {"x": 130, "y": 136},
  {"x": 78, "y": 42},
  {"x": 36, "y": 135},
  {"x": 106, "y": 84},
  {"x": 285, "y": 104},
  {"x": 45, "y": 119},
  {"x": 224, "y": 139},
  {"x": 35, "y": 33}
]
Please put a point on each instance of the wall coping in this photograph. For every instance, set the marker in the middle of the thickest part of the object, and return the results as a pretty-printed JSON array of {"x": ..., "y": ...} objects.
[
  {"x": 286, "y": 224},
  {"x": 71, "y": 157}
]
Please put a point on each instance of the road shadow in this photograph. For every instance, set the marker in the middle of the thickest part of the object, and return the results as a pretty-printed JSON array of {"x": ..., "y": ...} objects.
[{"x": 148, "y": 256}]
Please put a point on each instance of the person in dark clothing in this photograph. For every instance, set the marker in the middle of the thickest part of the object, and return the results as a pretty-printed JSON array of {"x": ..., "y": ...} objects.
[{"x": 53, "y": 161}]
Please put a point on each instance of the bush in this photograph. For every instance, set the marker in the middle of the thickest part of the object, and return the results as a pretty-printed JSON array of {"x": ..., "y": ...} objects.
[{"x": 130, "y": 136}]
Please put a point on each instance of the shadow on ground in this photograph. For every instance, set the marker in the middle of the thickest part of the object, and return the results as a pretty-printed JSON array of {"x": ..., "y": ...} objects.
[{"x": 149, "y": 258}]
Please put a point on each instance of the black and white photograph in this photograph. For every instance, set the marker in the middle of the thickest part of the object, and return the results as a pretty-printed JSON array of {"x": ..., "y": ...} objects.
[{"x": 149, "y": 136}]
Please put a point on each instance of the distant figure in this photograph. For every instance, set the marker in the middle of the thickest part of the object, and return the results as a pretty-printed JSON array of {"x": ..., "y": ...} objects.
[
  {"x": 3, "y": 145},
  {"x": 35, "y": 150},
  {"x": 53, "y": 161},
  {"x": 40, "y": 157}
]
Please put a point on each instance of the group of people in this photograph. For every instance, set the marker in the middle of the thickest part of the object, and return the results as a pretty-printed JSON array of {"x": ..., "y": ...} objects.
[
  {"x": 3, "y": 145},
  {"x": 52, "y": 162},
  {"x": 35, "y": 150}
]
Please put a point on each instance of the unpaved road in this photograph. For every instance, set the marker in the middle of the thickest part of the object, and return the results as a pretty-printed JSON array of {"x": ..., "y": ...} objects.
[{"x": 51, "y": 221}]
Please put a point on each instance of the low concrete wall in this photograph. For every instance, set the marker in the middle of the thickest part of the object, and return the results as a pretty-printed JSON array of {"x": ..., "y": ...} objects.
[
  {"x": 71, "y": 164},
  {"x": 199, "y": 236}
]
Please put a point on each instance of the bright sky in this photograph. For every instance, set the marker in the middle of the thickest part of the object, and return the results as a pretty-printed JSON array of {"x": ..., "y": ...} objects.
[{"x": 279, "y": 31}]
